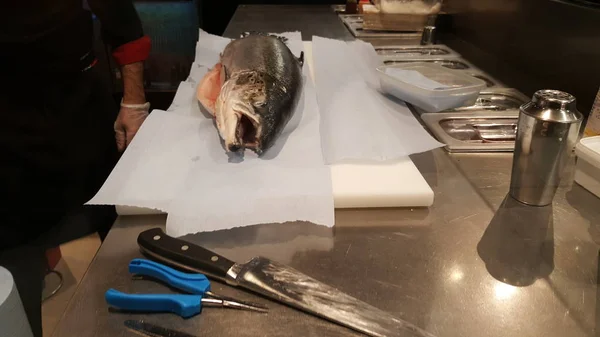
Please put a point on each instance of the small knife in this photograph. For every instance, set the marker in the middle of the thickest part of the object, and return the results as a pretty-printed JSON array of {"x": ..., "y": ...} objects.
[
  {"x": 151, "y": 330},
  {"x": 278, "y": 282}
]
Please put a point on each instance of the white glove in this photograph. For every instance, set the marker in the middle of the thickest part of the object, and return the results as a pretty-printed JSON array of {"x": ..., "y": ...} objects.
[{"x": 129, "y": 121}]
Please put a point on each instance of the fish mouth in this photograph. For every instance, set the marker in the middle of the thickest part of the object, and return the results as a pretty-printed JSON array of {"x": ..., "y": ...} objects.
[{"x": 247, "y": 133}]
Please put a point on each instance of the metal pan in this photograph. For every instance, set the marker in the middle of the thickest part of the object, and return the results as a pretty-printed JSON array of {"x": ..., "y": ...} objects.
[
  {"x": 415, "y": 51},
  {"x": 477, "y": 131},
  {"x": 457, "y": 64}
]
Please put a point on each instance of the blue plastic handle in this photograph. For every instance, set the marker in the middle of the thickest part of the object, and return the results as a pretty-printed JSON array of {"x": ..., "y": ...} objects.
[
  {"x": 183, "y": 305},
  {"x": 192, "y": 283}
]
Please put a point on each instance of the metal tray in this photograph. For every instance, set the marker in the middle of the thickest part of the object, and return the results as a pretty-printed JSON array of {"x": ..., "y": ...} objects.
[
  {"x": 490, "y": 100},
  {"x": 489, "y": 81},
  {"x": 415, "y": 51},
  {"x": 339, "y": 8},
  {"x": 496, "y": 100},
  {"x": 450, "y": 63},
  {"x": 355, "y": 25},
  {"x": 477, "y": 131}
]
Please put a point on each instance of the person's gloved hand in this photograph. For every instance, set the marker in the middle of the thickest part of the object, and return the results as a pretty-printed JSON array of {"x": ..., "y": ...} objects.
[{"x": 128, "y": 122}]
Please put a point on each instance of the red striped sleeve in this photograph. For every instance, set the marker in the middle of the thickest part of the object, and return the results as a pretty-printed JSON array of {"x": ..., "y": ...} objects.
[{"x": 134, "y": 51}]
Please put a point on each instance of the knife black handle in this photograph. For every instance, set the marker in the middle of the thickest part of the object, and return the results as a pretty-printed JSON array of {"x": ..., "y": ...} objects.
[{"x": 178, "y": 253}]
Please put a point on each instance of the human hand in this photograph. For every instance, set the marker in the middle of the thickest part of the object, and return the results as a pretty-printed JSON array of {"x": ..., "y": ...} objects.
[{"x": 127, "y": 124}]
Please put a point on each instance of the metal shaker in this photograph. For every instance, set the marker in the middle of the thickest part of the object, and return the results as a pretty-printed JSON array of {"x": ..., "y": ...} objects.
[{"x": 547, "y": 133}]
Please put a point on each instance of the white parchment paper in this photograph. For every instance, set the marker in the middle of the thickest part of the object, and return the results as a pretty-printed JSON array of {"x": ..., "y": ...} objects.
[
  {"x": 358, "y": 122},
  {"x": 177, "y": 164}
]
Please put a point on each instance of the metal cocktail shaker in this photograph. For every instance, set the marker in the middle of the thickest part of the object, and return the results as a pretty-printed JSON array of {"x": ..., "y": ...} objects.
[{"x": 547, "y": 133}]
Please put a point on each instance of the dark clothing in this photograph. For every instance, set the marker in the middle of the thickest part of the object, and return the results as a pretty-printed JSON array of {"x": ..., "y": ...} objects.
[
  {"x": 58, "y": 147},
  {"x": 56, "y": 129},
  {"x": 56, "y": 35}
]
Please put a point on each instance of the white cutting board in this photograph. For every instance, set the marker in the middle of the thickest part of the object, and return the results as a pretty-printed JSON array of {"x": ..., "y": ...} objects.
[{"x": 396, "y": 184}]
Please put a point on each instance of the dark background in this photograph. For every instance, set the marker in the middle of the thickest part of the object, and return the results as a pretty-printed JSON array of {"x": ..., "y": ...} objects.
[
  {"x": 531, "y": 44},
  {"x": 527, "y": 44}
]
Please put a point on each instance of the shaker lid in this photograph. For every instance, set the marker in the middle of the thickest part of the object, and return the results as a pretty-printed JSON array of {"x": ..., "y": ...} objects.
[{"x": 553, "y": 105}]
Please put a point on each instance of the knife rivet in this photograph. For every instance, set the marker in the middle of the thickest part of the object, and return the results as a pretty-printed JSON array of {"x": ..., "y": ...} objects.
[
  {"x": 214, "y": 258},
  {"x": 186, "y": 247},
  {"x": 156, "y": 237}
]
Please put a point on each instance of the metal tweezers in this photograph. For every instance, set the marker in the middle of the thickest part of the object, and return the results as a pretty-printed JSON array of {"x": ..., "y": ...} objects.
[{"x": 196, "y": 285}]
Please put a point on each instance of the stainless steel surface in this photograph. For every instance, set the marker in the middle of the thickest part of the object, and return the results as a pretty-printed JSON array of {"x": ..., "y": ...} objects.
[
  {"x": 310, "y": 20},
  {"x": 479, "y": 131},
  {"x": 355, "y": 25},
  {"x": 415, "y": 51},
  {"x": 491, "y": 99},
  {"x": 457, "y": 64},
  {"x": 496, "y": 100},
  {"x": 471, "y": 265},
  {"x": 547, "y": 133},
  {"x": 489, "y": 81},
  {"x": 275, "y": 280},
  {"x": 428, "y": 36},
  {"x": 339, "y": 8},
  {"x": 152, "y": 330}
]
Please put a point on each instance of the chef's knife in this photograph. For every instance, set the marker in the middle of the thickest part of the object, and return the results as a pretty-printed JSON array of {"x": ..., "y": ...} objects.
[{"x": 278, "y": 282}]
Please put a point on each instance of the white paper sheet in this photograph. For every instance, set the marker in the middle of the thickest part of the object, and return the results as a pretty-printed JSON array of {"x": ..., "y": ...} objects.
[
  {"x": 358, "y": 123},
  {"x": 289, "y": 183},
  {"x": 155, "y": 165},
  {"x": 177, "y": 164}
]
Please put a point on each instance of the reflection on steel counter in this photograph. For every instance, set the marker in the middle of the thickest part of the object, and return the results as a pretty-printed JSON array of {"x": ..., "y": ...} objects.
[
  {"x": 517, "y": 247},
  {"x": 278, "y": 282}
]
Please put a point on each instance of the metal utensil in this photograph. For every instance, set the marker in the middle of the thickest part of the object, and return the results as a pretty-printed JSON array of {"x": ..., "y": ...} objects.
[
  {"x": 197, "y": 287},
  {"x": 151, "y": 330},
  {"x": 548, "y": 130},
  {"x": 278, "y": 282}
]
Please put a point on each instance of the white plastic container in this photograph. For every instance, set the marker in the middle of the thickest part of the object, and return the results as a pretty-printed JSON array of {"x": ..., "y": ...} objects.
[
  {"x": 430, "y": 86},
  {"x": 587, "y": 171}
]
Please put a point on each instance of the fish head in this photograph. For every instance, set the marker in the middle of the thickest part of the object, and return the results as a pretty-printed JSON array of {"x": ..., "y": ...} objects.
[{"x": 239, "y": 111}]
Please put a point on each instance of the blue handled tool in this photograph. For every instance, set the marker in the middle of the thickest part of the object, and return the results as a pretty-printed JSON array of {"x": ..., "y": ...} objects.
[{"x": 197, "y": 285}]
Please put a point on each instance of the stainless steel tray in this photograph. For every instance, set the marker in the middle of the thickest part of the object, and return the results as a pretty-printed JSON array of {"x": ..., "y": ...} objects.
[
  {"x": 415, "y": 51},
  {"x": 489, "y": 81},
  {"x": 476, "y": 131},
  {"x": 490, "y": 100},
  {"x": 355, "y": 25},
  {"x": 496, "y": 100},
  {"x": 339, "y": 8},
  {"x": 455, "y": 63}
]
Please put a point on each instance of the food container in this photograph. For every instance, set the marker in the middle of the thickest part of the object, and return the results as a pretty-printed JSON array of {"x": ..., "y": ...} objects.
[
  {"x": 587, "y": 171},
  {"x": 429, "y": 86},
  {"x": 422, "y": 7}
]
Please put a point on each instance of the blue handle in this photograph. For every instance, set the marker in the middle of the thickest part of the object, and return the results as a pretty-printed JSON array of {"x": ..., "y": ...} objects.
[
  {"x": 192, "y": 283},
  {"x": 182, "y": 305}
]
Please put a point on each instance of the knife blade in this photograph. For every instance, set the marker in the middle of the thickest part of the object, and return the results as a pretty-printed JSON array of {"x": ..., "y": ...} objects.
[
  {"x": 151, "y": 330},
  {"x": 278, "y": 282}
]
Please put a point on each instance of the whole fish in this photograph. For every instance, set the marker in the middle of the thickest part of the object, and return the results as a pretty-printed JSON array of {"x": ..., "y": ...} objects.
[{"x": 253, "y": 91}]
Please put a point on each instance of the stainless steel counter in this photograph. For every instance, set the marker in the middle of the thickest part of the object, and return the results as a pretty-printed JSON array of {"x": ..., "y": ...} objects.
[{"x": 474, "y": 264}]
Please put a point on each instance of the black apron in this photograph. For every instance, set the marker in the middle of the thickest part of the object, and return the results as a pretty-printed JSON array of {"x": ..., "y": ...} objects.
[{"x": 57, "y": 146}]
